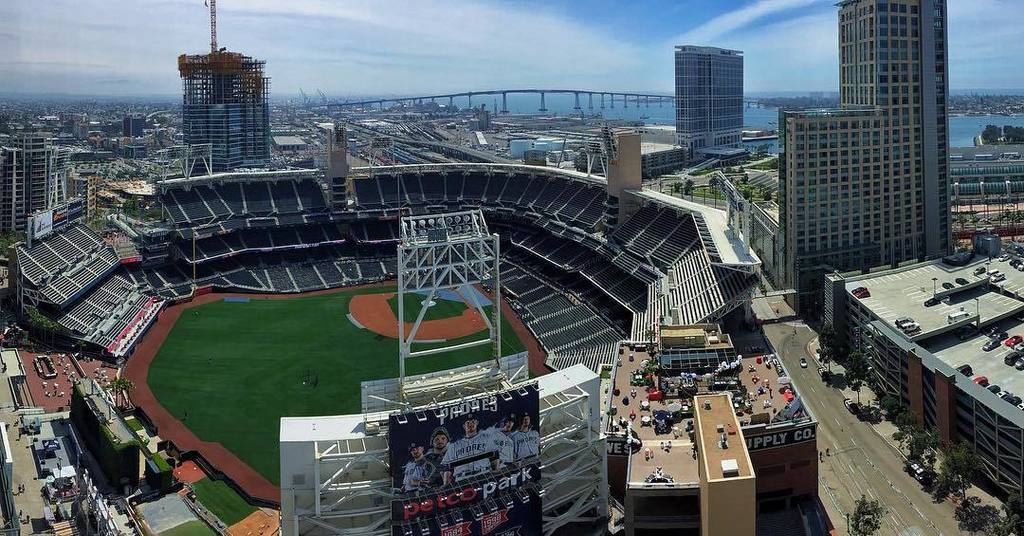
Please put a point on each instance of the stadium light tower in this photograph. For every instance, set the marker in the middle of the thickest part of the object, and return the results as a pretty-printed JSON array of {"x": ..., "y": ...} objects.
[{"x": 447, "y": 252}]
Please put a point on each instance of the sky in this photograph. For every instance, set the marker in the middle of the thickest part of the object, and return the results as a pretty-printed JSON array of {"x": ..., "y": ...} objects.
[{"x": 350, "y": 48}]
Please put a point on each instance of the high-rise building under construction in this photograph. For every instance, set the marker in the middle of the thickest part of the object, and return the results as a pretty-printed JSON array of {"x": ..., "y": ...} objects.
[
  {"x": 225, "y": 105},
  {"x": 33, "y": 177}
]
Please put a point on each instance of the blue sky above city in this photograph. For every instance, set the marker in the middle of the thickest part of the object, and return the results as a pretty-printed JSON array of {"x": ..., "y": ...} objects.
[{"x": 376, "y": 47}]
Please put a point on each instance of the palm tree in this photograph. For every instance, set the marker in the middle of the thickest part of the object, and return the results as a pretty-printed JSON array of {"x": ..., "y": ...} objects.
[{"x": 121, "y": 387}]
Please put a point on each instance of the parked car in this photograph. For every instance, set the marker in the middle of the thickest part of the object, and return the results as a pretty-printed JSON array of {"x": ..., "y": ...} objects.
[
  {"x": 966, "y": 370},
  {"x": 961, "y": 281},
  {"x": 1019, "y": 365},
  {"x": 931, "y": 302},
  {"x": 1011, "y": 359},
  {"x": 990, "y": 345},
  {"x": 998, "y": 278},
  {"x": 803, "y": 362},
  {"x": 851, "y": 406},
  {"x": 903, "y": 321},
  {"x": 919, "y": 473},
  {"x": 994, "y": 389},
  {"x": 1004, "y": 257},
  {"x": 1013, "y": 341},
  {"x": 979, "y": 270},
  {"x": 947, "y": 285},
  {"x": 1007, "y": 396},
  {"x": 980, "y": 380}
]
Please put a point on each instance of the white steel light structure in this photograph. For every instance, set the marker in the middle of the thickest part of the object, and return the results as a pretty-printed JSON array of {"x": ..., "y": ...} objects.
[{"x": 446, "y": 252}]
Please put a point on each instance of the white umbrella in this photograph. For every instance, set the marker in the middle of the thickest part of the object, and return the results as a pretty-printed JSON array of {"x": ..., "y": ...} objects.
[{"x": 675, "y": 406}]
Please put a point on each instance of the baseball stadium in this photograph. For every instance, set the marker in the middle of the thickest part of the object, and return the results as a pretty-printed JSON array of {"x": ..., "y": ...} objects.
[{"x": 264, "y": 299}]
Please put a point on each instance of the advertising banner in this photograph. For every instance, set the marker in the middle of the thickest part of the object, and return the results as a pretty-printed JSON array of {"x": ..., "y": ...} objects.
[
  {"x": 60, "y": 218},
  {"x": 42, "y": 224},
  {"x": 470, "y": 467}
]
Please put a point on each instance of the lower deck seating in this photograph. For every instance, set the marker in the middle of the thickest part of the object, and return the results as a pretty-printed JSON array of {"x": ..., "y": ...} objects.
[{"x": 571, "y": 331}]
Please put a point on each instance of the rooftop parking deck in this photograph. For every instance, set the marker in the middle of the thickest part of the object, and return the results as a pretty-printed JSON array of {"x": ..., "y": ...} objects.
[{"x": 902, "y": 294}]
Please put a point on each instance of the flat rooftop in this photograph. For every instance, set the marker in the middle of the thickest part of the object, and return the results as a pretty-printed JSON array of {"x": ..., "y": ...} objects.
[
  {"x": 714, "y": 417},
  {"x": 671, "y": 452},
  {"x": 902, "y": 293},
  {"x": 647, "y": 147}
]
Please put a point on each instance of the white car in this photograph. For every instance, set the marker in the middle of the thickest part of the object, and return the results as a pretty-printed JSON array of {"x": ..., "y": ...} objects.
[
  {"x": 803, "y": 362},
  {"x": 1004, "y": 257}
]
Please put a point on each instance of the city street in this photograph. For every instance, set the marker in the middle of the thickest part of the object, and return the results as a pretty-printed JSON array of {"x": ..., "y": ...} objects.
[{"x": 861, "y": 462}]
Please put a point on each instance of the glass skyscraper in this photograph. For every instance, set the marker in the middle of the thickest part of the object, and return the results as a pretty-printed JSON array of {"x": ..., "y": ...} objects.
[{"x": 709, "y": 98}]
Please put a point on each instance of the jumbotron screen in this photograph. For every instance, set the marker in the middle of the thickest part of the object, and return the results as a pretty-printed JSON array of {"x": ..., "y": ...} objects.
[{"x": 470, "y": 467}]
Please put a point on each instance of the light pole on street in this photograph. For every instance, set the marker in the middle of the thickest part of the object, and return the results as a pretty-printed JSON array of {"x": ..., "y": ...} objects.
[{"x": 934, "y": 289}]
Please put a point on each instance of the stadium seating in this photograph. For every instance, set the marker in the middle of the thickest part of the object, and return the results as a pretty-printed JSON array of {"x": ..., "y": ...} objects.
[
  {"x": 296, "y": 200},
  {"x": 226, "y": 245},
  {"x": 572, "y": 202},
  {"x": 570, "y": 331},
  {"x": 104, "y": 314},
  {"x": 64, "y": 265}
]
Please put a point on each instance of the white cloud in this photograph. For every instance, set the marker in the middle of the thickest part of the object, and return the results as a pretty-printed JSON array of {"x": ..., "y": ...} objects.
[
  {"x": 357, "y": 46},
  {"x": 725, "y": 24}
]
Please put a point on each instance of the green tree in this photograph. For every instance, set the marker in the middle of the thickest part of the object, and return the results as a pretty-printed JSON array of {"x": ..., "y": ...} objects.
[
  {"x": 766, "y": 194},
  {"x": 1012, "y": 520},
  {"x": 921, "y": 444},
  {"x": 857, "y": 370},
  {"x": 867, "y": 517},
  {"x": 956, "y": 471},
  {"x": 688, "y": 187},
  {"x": 43, "y": 326},
  {"x": 891, "y": 406},
  {"x": 829, "y": 347},
  {"x": 991, "y": 134}
]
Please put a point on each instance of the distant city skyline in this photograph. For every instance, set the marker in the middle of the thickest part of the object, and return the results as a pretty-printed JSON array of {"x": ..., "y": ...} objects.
[{"x": 362, "y": 47}]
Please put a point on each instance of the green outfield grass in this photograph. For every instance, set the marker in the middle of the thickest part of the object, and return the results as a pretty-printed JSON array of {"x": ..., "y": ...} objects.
[
  {"x": 441, "y": 308},
  {"x": 230, "y": 371},
  {"x": 222, "y": 500},
  {"x": 190, "y": 528}
]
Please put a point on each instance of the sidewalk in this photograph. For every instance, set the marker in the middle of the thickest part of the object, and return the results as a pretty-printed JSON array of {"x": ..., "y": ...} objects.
[{"x": 885, "y": 429}]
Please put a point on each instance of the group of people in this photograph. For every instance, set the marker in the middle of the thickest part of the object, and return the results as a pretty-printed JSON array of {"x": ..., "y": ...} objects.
[
  {"x": 444, "y": 462},
  {"x": 64, "y": 367}
]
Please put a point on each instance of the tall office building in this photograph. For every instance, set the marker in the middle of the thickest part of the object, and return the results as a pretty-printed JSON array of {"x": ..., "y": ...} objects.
[
  {"x": 132, "y": 125},
  {"x": 33, "y": 177},
  {"x": 225, "y": 105},
  {"x": 865, "y": 185},
  {"x": 709, "y": 99}
]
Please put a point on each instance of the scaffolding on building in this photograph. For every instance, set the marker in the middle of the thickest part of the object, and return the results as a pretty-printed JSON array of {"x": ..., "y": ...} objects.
[{"x": 225, "y": 104}]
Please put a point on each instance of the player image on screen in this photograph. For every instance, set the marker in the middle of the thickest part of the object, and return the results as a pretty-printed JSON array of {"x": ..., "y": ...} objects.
[
  {"x": 525, "y": 440},
  {"x": 438, "y": 447},
  {"x": 417, "y": 470},
  {"x": 501, "y": 435},
  {"x": 472, "y": 455}
]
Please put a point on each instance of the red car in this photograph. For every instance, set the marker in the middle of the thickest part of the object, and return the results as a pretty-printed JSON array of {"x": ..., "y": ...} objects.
[
  {"x": 1013, "y": 341},
  {"x": 981, "y": 380}
]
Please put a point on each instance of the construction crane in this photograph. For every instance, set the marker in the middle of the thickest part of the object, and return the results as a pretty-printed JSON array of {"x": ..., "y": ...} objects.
[
  {"x": 305, "y": 99},
  {"x": 323, "y": 98},
  {"x": 213, "y": 25}
]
